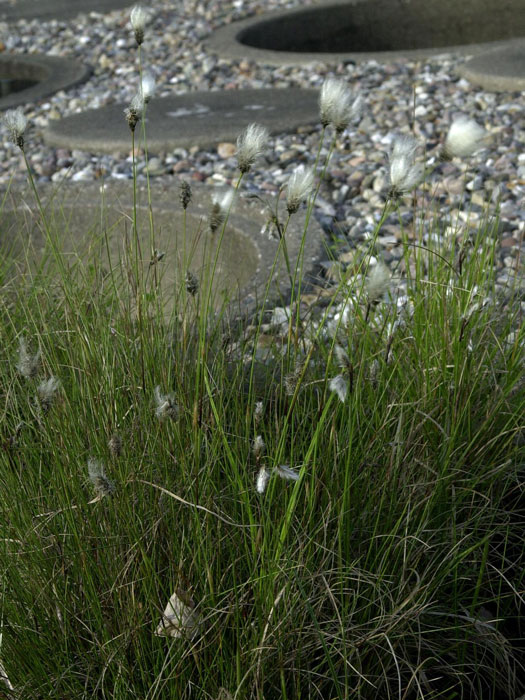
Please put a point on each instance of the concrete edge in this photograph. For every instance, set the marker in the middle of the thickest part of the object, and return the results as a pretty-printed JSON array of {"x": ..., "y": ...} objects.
[
  {"x": 486, "y": 71},
  {"x": 225, "y": 43},
  {"x": 53, "y": 73},
  {"x": 248, "y": 215}
]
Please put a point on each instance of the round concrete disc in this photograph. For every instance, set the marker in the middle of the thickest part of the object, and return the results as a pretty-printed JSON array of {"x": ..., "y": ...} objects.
[
  {"x": 499, "y": 70},
  {"x": 196, "y": 119},
  {"x": 13, "y": 10}
]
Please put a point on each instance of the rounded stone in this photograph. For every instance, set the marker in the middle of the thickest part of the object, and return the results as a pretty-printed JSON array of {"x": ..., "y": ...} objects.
[
  {"x": 55, "y": 9},
  {"x": 45, "y": 75},
  {"x": 94, "y": 221},
  {"x": 201, "y": 119},
  {"x": 499, "y": 70},
  {"x": 354, "y": 30}
]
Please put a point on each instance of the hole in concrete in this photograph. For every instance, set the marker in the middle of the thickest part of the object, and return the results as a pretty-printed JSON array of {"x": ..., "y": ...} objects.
[
  {"x": 387, "y": 25},
  {"x": 30, "y": 77},
  {"x": 10, "y": 85}
]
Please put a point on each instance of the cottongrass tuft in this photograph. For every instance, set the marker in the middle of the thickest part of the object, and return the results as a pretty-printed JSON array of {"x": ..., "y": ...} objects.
[
  {"x": 339, "y": 386},
  {"x": 286, "y": 473},
  {"x": 97, "y": 475},
  {"x": 464, "y": 138},
  {"x": 139, "y": 18},
  {"x": 338, "y": 105},
  {"x": 27, "y": 364},
  {"x": 221, "y": 204},
  {"x": 147, "y": 87},
  {"x": 16, "y": 121},
  {"x": 258, "y": 412},
  {"x": 133, "y": 113},
  {"x": 405, "y": 173},
  {"x": 342, "y": 357},
  {"x": 250, "y": 144},
  {"x": 46, "y": 392},
  {"x": 165, "y": 405},
  {"x": 115, "y": 445},
  {"x": 377, "y": 282},
  {"x": 261, "y": 482},
  {"x": 179, "y": 619},
  {"x": 299, "y": 187},
  {"x": 258, "y": 447}
]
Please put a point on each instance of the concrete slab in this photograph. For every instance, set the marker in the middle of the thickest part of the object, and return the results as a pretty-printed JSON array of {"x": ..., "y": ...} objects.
[
  {"x": 196, "y": 119},
  {"x": 13, "y": 10},
  {"x": 48, "y": 73},
  {"x": 499, "y": 70},
  {"x": 77, "y": 210},
  {"x": 335, "y": 31}
]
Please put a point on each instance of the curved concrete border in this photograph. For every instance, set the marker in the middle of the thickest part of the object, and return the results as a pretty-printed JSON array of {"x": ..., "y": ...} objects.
[
  {"x": 248, "y": 218},
  {"x": 51, "y": 74},
  {"x": 56, "y": 9},
  {"x": 499, "y": 70},
  {"x": 226, "y": 42}
]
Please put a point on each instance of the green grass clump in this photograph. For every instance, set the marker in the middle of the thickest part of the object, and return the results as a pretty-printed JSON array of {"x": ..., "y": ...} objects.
[
  {"x": 393, "y": 567},
  {"x": 364, "y": 542}
]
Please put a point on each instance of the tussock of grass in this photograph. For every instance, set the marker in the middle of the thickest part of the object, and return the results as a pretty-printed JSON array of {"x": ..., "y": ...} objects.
[{"x": 358, "y": 539}]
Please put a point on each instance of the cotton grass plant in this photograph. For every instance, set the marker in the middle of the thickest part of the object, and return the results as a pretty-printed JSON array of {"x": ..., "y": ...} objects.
[{"x": 174, "y": 527}]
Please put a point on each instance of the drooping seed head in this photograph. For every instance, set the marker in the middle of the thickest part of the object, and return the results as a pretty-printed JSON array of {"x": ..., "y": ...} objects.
[
  {"x": 221, "y": 205},
  {"x": 115, "y": 445},
  {"x": 133, "y": 113},
  {"x": 139, "y": 18},
  {"x": 27, "y": 364},
  {"x": 299, "y": 187},
  {"x": 16, "y": 121},
  {"x": 286, "y": 473},
  {"x": 464, "y": 138},
  {"x": 147, "y": 87},
  {"x": 46, "y": 391},
  {"x": 250, "y": 144},
  {"x": 339, "y": 385},
  {"x": 258, "y": 447},
  {"x": 165, "y": 405},
  {"x": 263, "y": 477},
  {"x": 377, "y": 282},
  {"x": 97, "y": 475}
]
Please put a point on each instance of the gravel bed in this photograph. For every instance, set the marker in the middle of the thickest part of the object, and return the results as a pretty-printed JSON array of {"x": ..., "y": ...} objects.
[{"x": 400, "y": 96}]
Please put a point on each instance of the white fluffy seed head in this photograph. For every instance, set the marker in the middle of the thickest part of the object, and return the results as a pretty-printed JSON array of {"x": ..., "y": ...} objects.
[
  {"x": 287, "y": 473},
  {"x": 405, "y": 173},
  {"x": 27, "y": 364},
  {"x": 464, "y": 138},
  {"x": 133, "y": 113},
  {"x": 139, "y": 18},
  {"x": 15, "y": 120},
  {"x": 261, "y": 482},
  {"x": 377, "y": 282},
  {"x": 147, "y": 87},
  {"x": 221, "y": 205},
  {"x": 165, "y": 405},
  {"x": 258, "y": 447},
  {"x": 339, "y": 385},
  {"x": 97, "y": 475},
  {"x": 250, "y": 144},
  {"x": 337, "y": 104},
  {"x": 299, "y": 187},
  {"x": 47, "y": 390}
]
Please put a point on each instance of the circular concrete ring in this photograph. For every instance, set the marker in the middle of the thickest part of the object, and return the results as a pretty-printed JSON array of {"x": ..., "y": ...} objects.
[
  {"x": 247, "y": 252},
  {"x": 499, "y": 70},
  {"x": 50, "y": 73},
  {"x": 56, "y": 9},
  {"x": 201, "y": 119},
  {"x": 411, "y": 29}
]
